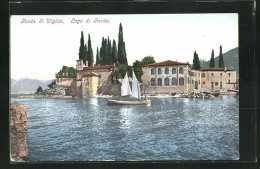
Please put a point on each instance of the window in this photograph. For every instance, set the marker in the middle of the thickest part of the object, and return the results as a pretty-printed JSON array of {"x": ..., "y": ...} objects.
[
  {"x": 159, "y": 71},
  {"x": 202, "y": 74},
  {"x": 99, "y": 76},
  {"x": 173, "y": 70},
  {"x": 216, "y": 83},
  {"x": 174, "y": 81},
  {"x": 192, "y": 73},
  {"x": 220, "y": 74},
  {"x": 195, "y": 74},
  {"x": 152, "y": 71},
  {"x": 152, "y": 82},
  {"x": 166, "y": 71},
  {"x": 228, "y": 81},
  {"x": 159, "y": 82},
  {"x": 196, "y": 85},
  {"x": 229, "y": 74},
  {"x": 87, "y": 82},
  {"x": 212, "y": 85},
  {"x": 181, "y": 81},
  {"x": 192, "y": 82},
  {"x": 199, "y": 81},
  {"x": 166, "y": 82},
  {"x": 220, "y": 85},
  {"x": 212, "y": 75},
  {"x": 180, "y": 70},
  {"x": 203, "y": 83}
]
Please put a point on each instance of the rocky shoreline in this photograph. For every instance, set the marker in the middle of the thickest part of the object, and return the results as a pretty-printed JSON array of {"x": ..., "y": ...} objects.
[{"x": 18, "y": 129}]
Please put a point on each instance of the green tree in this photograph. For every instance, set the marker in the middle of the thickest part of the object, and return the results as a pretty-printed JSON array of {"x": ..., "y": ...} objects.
[
  {"x": 221, "y": 59},
  {"x": 52, "y": 84},
  {"x": 212, "y": 62},
  {"x": 90, "y": 52},
  {"x": 85, "y": 55},
  {"x": 81, "y": 48},
  {"x": 39, "y": 90},
  {"x": 109, "y": 52},
  {"x": 66, "y": 69},
  {"x": 122, "y": 59},
  {"x": 97, "y": 57},
  {"x": 147, "y": 60},
  {"x": 101, "y": 53},
  {"x": 137, "y": 67},
  {"x": 114, "y": 52},
  {"x": 196, "y": 61}
]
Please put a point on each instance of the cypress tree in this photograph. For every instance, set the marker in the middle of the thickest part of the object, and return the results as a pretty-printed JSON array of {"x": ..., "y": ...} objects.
[
  {"x": 195, "y": 66},
  {"x": 97, "y": 57},
  {"x": 109, "y": 52},
  {"x": 212, "y": 62},
  {"x": 81, "y": 48},
  {"x": 198, "y": 61},
  {"x": 85, "y": 55},
  {"x": 121, "y": 47},
  {"x": 114, "y": 52},
  {"x": 90, "y": 52},
  {"x": 105, "y": 52},
  {"x": 221, "y": 59},
  {"x": 101, "y": 53}
]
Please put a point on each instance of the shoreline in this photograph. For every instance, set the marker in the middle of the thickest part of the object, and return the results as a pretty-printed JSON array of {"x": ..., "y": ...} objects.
[{"x": 106, "y": 96}]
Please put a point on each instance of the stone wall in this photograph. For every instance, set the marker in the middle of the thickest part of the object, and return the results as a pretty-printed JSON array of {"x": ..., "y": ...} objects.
[{"x": 18, "y": 128}]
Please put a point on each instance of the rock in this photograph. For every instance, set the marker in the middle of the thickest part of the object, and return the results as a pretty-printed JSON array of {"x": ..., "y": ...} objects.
[{"x": 18, "y": 128}]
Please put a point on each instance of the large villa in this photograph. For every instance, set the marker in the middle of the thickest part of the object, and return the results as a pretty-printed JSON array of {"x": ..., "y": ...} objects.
[{"x": 158, "y": 78}]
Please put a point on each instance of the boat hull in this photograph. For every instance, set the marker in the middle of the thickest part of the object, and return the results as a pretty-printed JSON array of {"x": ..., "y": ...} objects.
[{"x": 121, "y": 102}]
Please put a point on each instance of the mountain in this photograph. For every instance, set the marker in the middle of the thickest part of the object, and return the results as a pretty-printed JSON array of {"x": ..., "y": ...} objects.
[
  {"x": 27, "y": 86},
  {"x": 230, "y": 60}
]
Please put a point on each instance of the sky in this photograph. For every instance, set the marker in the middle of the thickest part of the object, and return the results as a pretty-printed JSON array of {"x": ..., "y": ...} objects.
[{"x": 39, "y": 50}]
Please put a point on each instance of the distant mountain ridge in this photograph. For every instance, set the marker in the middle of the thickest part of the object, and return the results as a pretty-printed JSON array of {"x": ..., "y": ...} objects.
[
  {"x": 27, "y": 86},
  {"x": 231, "y": 60}
]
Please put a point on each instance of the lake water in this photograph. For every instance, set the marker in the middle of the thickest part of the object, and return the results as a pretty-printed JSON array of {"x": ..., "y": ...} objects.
[{"x": 169, "y": 129}]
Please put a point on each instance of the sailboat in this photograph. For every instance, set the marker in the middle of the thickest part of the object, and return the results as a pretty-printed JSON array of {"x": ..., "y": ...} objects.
[{"x": 126, "y": 91}]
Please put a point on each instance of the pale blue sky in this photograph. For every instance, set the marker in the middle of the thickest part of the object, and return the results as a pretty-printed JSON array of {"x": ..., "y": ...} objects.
[{"x": 40, "y": 50}]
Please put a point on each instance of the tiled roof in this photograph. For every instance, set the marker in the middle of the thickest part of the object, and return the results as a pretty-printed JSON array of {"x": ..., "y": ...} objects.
[
  {"x": 166, "y": 63},
  {"x": 98, "y": 67},
  {"x": 80, "y": 79},
  {"x": 90, "y": 74},
  {"x": 216, "y": 69}
]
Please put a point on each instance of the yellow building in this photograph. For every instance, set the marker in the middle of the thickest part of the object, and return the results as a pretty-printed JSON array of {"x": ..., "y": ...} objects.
[{"x": 89, "y": 84}]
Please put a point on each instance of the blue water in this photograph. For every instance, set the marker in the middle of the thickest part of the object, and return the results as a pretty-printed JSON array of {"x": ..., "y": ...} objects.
[{"x": 169, "y": 129}]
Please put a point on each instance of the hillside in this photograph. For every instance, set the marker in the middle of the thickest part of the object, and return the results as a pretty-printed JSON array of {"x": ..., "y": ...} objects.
[
  {"x": 27, "y": 86},
  {"x": 231, "y": 60}
]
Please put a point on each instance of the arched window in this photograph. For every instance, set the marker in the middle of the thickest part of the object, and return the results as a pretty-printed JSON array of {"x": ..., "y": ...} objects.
[
  {"x": 196, "y": 85},
  {"x": 159, "y": 71},
  {"x": 152, "y": 71},
  {"x": 180, "y": 70},
  {"x": 152, "y": 82},
  {"x": 159, "y": 82},
  {"x": 173, "y": 70},
  {"x": 166, "y": 82},
  {"x": 220, "y": 85},
  {"x": 174, "y": 81},
  {"x": 166, "y": 71},
  {"x": 181, "y": 81}
]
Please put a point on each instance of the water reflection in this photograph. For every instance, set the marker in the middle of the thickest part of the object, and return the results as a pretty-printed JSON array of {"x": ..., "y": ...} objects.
[
  {"x": 125, "y": 113},
  {"x": 93, "y": 101}
]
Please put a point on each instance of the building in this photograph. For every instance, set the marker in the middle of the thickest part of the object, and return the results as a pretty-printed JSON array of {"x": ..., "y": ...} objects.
[
  {"x": 88, "y": 81},
  {"x": 175, "y": 77}
]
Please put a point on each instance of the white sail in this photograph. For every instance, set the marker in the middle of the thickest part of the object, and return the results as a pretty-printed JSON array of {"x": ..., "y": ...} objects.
[
  {"x": 125, "y": 88},
  {"x": 136, "y": 92}
]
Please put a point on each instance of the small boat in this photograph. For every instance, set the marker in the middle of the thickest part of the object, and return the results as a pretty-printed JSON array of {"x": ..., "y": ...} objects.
[{"x": 126, "y": 91}]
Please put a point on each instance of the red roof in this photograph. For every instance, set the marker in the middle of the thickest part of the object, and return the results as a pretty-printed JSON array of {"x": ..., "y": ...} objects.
[
  {"x": 98, "y": 67},
  {"x": 216, "y": 69},
  {"x": 90, "y": 74},
  {"x": 166, "y": 63},
  {"x": 80, "y": 79}
]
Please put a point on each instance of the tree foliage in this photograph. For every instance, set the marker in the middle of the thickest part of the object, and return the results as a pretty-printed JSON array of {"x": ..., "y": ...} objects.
[
  {"x": 52, "y": 84},
  {"x": 119, "y": 71},
  {"x": 66, "y": 69},
  {"x": 114, "y": 54},
  {"x": 221, "y": 59},
  {"x": 212, "y": 62},
  {"x": 39, "y": 90},
  {"x": 122, "y": 59},
  {"x": 196, "y": 61},
  {"x": 90, "y": 52},
  {"x": 81, "y": 48},
  {"x": 147, "y": 60}
]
